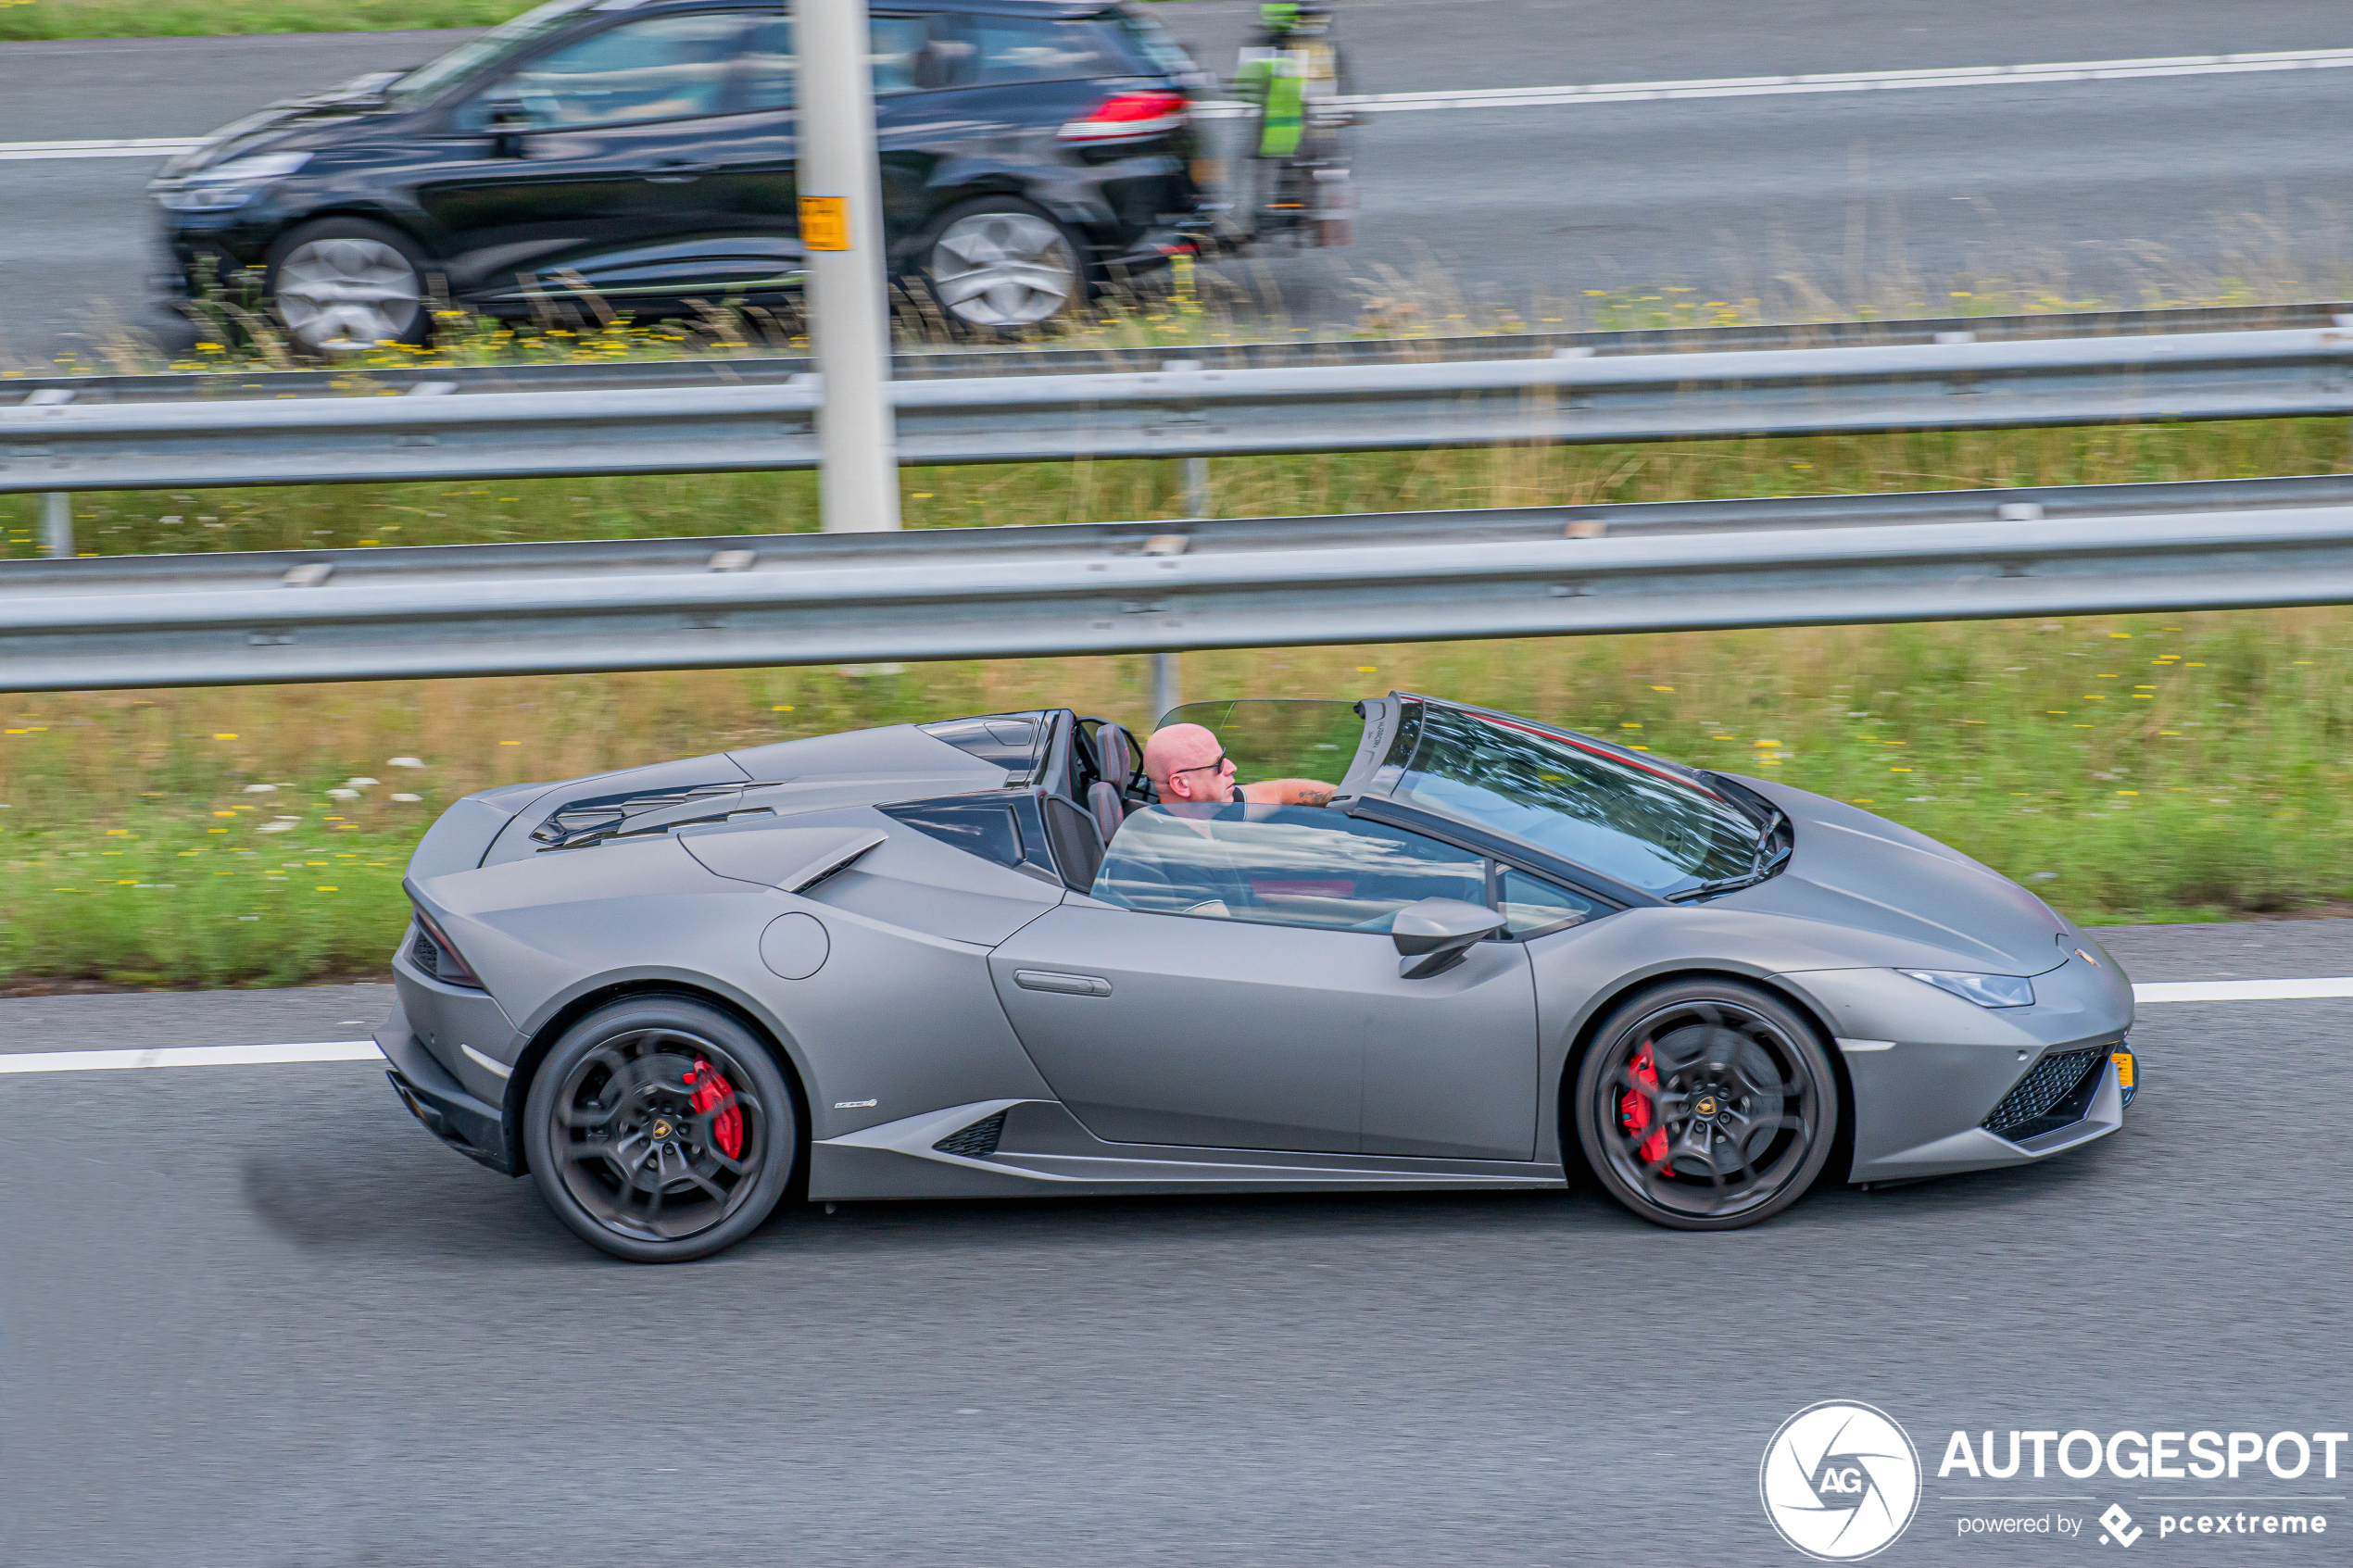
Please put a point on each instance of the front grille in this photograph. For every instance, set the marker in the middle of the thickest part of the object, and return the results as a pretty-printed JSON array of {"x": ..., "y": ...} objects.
[
  {"x": 425, "y": 956},
  {"x": 2027, "y": 1111},
  {"x": 975, "y": 1142}
]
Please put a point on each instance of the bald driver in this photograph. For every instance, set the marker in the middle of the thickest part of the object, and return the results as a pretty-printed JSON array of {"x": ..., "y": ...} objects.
[{"x": 1185, "y": 762}]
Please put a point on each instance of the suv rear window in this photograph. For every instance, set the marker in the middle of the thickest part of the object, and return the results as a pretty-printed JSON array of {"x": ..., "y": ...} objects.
[
  {"x": 1038, "y": 49},
  {"x": 1153, "y": 46}
]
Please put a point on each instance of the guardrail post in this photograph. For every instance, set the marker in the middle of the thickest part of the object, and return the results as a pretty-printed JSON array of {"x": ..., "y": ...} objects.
[
  {"x": 1168, "y": 685},
  {"x": 841, "y": 237},
  {"x": 56, "y": 524},
  {"x": 1197, "y": 486}
]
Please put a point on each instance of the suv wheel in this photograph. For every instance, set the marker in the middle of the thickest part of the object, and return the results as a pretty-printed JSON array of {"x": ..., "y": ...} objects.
[
  {"x": 998, "y": 265},
  {"x": 346, "y": 283}
]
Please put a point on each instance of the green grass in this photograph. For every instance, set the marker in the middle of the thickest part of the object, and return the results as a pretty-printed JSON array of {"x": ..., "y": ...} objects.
[
  {"x": 26, "y": 20},
  {"x": 2147, "y": 767},
  {"x": 665, "y": 505},
  {"x": 2135, "y": 768}
]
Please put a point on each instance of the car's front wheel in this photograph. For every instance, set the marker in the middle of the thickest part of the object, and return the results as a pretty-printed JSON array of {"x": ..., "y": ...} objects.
[
  {"x": 660, "y": 1129},
  {"x": 1706, "y": 1105},
  {"x": 345, "y": 284},
  {"x": 998, "y": 265}
]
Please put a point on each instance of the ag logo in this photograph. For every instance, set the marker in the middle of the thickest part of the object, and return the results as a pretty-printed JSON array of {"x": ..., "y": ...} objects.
[{"x": 1840, "y": 1481}]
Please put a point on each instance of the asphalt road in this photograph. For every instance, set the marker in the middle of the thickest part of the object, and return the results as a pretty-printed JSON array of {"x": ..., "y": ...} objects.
[
  {"x": 256, "y": 1316},
  {"x": 2114, "y": 189}
]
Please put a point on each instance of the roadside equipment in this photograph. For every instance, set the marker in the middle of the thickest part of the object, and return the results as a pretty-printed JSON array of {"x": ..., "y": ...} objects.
[{"x": 1293, "y": 183}]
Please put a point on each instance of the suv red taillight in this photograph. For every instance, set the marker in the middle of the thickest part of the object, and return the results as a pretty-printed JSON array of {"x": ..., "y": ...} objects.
[
  {"x": 438, "y": 955},
  {"x": 1126, "y": 115}
]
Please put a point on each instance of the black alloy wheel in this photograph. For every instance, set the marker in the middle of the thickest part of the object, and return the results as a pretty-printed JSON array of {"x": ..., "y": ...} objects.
[
  {"x": 1706, "y": 1105},
  {"x": 660, "y": 1129}
]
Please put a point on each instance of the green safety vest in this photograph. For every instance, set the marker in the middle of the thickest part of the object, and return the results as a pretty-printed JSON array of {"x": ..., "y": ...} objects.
[{"x": 1276, "y": 80}]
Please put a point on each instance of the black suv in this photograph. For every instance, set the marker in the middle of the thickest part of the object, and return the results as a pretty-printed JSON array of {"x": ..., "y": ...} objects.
[{"x": 643, "y": 154}]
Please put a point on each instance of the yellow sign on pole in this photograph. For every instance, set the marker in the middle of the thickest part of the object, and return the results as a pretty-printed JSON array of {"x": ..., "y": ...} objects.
[{"x": 824, "y": 222}]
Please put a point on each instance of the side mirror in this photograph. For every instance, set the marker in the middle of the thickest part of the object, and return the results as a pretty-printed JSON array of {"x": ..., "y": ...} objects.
[
  {"x": 507, "y": 121},
  {"x": 1434, "y": 935}
]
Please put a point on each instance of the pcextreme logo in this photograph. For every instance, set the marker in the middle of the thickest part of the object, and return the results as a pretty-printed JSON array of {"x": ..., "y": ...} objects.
[{"x": 1841, "y": 1481}]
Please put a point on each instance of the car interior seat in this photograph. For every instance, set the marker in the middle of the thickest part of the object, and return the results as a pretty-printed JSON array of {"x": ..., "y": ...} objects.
[
  {"x": 1109, "y": 795},
  {"x": 1109, "y": 809}
]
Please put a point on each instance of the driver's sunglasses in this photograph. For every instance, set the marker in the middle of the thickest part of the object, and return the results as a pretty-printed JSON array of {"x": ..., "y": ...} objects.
[{"x": 1199, "y": 767}]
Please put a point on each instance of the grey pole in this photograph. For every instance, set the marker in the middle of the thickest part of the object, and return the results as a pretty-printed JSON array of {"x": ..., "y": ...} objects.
[
  {"x": 841, "y": 234},
  {"x": 1168, "y": 685},
  {"x": 57, "y": 524},
  {"x": 1197, "y": 486}
]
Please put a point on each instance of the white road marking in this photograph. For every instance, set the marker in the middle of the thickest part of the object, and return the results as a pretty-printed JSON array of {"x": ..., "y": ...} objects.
[
  {"x": 191, "y": 1056},
  {"x": 1830, "y": 81},
  {"x": 2242, "y": 990},
  {"x": 365, "y": 1050},
  {"x": 1859, "y": 81},
  {"x": 133, "y": 146},
  {"x": 1591, "y": 93}
]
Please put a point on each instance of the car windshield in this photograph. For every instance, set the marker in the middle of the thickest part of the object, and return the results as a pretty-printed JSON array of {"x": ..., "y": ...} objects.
[
  {"x": 1597, "y": 805},
  {"x": 469, "y": 59}
]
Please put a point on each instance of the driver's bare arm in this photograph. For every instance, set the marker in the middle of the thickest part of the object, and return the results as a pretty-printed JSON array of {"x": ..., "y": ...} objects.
[{"x": 1290, "y": 792}]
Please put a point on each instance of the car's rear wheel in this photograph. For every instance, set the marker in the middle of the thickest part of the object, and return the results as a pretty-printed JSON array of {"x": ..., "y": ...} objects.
[
  {"x": 345, "y": 284},
  {"x": 660, "y": 1129},
  {"x": 998, "y": 265},
  {"x": 1706, "y": 1105}
]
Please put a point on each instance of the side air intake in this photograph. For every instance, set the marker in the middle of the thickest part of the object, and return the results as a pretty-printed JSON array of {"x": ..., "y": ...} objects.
[{"x": 975, "y": 1142}]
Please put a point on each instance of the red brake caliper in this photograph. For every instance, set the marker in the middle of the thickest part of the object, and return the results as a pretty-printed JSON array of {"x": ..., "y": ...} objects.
[
  {"x": 1634, "y": 1111},
  {"x": 727, "y": 1127}
]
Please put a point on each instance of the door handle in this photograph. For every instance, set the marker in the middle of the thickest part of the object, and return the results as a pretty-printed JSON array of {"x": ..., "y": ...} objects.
[
  {"x": 1062, "y": 985},
  {"x": 677, "y": 171}
]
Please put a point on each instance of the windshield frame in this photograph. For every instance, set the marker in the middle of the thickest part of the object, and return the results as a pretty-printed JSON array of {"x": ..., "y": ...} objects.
[
  {"x": 1405, "y": 714},
  {"x": 460, "y": 67}
]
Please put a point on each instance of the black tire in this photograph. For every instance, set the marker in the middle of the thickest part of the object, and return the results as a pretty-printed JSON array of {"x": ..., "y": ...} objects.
[
  {"x": 627, "y": 1136},
  {"x": 1013, "y": 293},
  {"x": 1740, "y": 1091},
  {"x": 384, "y": 295}
]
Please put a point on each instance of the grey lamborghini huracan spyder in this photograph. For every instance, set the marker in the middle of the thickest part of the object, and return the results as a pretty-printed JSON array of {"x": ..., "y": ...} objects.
[{"x": 977, "y": 958}]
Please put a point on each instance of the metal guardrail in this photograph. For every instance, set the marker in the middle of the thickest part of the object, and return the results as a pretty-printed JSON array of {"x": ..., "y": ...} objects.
[
  {"x": 1160, "y": 586},
  {"x": 721, "y": 369},
  {"x": 1173, "y": 412}
]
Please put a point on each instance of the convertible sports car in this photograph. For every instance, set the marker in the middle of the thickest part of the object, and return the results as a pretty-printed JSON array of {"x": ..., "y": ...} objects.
[{"x": 978, "y": 958}]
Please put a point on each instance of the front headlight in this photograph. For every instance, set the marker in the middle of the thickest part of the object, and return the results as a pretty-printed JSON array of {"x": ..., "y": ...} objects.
[
  {"x": 1985, "y": 990},
  {"x": 228, "y": 184}
]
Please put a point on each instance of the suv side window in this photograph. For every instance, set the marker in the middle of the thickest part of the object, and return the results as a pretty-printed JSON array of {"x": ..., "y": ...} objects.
[
  {"x": 1281, "y": 865},
  {"x": 897, "y": 51},
  {"x": 1038, "y": 49},
  {"x": 657, "y": 68}
]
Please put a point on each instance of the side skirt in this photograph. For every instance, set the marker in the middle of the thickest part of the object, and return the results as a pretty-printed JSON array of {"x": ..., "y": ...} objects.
[{"x": 1042, "y": 1149}]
